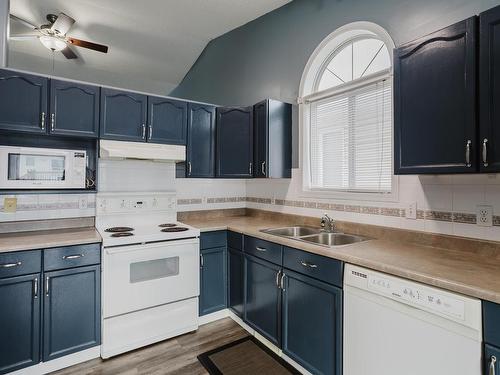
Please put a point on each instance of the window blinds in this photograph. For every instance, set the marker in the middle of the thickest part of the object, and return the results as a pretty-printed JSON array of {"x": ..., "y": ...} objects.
[{"x": 351, "y": 140}]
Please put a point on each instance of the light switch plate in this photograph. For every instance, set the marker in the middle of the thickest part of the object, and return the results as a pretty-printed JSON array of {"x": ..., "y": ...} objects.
[
  {"x": 10, "y": 205},
  {"x": 411, "y": 211},
  {"x": 484, "y": 216}
]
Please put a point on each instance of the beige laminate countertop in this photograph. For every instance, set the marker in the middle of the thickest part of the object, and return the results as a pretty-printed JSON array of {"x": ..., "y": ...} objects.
[
  {"x": 466, "y": 272},
  {"x": 47, "y": 238}
]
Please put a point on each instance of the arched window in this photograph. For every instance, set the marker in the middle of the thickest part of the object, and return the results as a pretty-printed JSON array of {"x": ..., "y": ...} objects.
[{"x": 346, "y": 106}]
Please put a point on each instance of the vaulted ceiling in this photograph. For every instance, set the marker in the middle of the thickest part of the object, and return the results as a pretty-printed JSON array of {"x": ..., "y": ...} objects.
[{"x": 152, "y": 43}]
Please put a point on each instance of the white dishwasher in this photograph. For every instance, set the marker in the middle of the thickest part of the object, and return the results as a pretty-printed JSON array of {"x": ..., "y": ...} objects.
[{"x": 394, "y": 326}]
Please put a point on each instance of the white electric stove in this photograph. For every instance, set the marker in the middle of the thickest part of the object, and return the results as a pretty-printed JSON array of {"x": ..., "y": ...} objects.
[{"x": 150, "y": 276}]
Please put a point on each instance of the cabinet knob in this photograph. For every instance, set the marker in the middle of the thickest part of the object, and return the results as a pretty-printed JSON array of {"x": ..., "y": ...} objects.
[{"x": 485, "y": 152}]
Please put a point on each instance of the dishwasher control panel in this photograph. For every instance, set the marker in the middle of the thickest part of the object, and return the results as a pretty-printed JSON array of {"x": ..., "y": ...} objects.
[{"x": 413, "y": 293}]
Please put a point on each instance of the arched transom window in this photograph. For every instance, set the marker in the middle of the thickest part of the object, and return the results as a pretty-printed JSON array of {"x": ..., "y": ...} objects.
[{"x": 347, "y": 113}]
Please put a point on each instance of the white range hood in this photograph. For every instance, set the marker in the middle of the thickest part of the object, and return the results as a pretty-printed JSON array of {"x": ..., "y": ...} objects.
[{"x": 141, "y": 151}]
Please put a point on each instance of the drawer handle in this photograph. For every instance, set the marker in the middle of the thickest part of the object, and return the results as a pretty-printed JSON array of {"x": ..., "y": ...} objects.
[
  {"x": 35, "y": 287},
  {"x": 47, "y": 286},
  {"x": 258, "y": 248},
  {"x": 485, "y": 152},
  {"x": 10, "y": 265},
  {"x": 282, "y": 281},
  {"x": 75, "y": 256},
  {"x": 467, "y": 153},
  {"x": 493, "y": 361},
  {"x": 307, "y": 264}
]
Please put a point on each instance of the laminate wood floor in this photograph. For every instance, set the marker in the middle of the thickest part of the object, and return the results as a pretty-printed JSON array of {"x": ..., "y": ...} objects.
[{"x": 173, "y": 356}]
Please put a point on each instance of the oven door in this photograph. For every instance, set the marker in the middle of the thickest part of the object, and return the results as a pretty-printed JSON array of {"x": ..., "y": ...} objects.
[{"x": 140, "y": 276}]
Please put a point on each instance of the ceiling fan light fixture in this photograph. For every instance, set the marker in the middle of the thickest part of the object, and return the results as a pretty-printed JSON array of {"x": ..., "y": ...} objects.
[{"x": 52, "y": 43}]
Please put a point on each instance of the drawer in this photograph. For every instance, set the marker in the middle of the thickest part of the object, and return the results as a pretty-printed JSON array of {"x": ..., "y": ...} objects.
[
  {"x": 20, "y": 263},
  {"x": 71, "y": 256},
  {"x": 322, "y": 268},
  {"x": 266, "y": 250},
  {"x": 213, "y": 239},
  {"x": 491, "y": 323},
  {"x": 235, "y": 240}
]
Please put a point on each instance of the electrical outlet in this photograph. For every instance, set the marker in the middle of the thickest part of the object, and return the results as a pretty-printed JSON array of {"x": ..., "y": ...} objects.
[
  {"x": 485, "y": 216},
  {"x": 411, "y": 211},
  {"x": 10, "y": 205}
]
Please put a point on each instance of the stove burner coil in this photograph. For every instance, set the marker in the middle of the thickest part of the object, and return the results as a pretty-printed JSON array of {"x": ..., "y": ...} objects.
[
  {"x": 118, "y": 229},
  {"x": 175, "y": 229},
  {"x": 167, "y": 225},
  {"x": 122, "y": 234}
]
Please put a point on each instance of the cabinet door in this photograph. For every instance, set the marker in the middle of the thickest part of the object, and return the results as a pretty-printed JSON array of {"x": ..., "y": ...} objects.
[
  {"x": 489, "y": 95},
  {"x": 72, "y": 311},
  {"x": 236, "y": 284},
  {"x": 234, "y": 142},
  {"x": 213, "y": 280},
  {"x": 74, "y": 109},
  {"x": 24, "y": 102},
  {"x": 435, "y": 102},
  {"x": 167, "y": 121},
  {"x": 200, "y": 152},
  {"x": 312, "y": 323},
  {"x": 19, "y": 322},
  {"x": 491, "y": 360},
  {"x": 123, "y": 115},
  {"x": 263, "y": 298},
  {"x": 261, "y": 139}
]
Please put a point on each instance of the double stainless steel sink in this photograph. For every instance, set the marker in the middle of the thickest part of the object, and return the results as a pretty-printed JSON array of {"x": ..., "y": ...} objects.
[{"x": 315, "y": 236}]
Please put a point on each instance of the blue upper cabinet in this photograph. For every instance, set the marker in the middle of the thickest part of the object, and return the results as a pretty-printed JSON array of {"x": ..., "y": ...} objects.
[
  {"x": 489, "y": 95},
  {"x": 272, "y": 139},
  {"x": 19, "y": 322},
  {"x": 435, "y": 102},
  {"x": 24, "y": 103},
  {"x": 123, "y": 115},
  {"x": 167, "y": 121},
  {"x": 74, "y": 109},
  {"x": 200, "y": 151},
  {"x": 234, "y": 158}
]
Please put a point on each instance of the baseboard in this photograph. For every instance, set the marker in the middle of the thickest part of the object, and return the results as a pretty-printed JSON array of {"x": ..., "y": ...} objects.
[
  {"x": 212, "y": 317},
  {"x": 60, "y": 363}
]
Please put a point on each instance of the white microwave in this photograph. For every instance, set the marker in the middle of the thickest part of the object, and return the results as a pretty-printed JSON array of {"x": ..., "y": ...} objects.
[{"x": 42, "y": 168}]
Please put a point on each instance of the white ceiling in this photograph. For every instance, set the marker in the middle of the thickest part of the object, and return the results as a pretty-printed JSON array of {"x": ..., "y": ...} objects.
[{"x": 152, "y": 43}]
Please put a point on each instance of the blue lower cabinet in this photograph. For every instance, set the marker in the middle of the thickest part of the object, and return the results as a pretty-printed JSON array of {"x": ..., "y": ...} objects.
[
  {"x": 213, "y": 280},
  {"x": 72, "y": 306},
  {"x": 236, "y": 281},
  {"x": 263, "y": 298},
  {"x": 312, "y": 323},
  {"x": 19, "y": 322}
]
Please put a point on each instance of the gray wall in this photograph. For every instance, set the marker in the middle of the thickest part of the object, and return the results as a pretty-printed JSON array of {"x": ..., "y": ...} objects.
[{"x": 266, "y": 57}]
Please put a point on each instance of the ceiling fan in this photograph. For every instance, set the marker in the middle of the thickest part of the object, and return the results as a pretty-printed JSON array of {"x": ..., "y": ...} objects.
[{"x": 53, "y": 35}]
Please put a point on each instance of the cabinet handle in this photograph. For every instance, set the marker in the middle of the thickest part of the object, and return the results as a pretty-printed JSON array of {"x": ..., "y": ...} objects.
[
  {"x": 150, "y": 132},
  {"x": 42, "y": 120},
  {"x": 47, "y": 281},
  {"x": 263, "y": 168},
  {"x": 143, "y": 131},
  {"x": 493, "y": 361},
  {"x": 485, "y": 152},
  {"x": 35, "y": 287},
  {"x": 189, "y": 168},
  {"x": 278, "y": 278},
  {"x": 467, "y": 153},
  {"x": 75, "y": 256},
  {"x": 307, "y": 264},
  {"x": 201, "y": 261},
  {"x": 10, "y": 265},
  {"x": 282, "y": 281},
  {"x": 250, "y": 168},
  {"x": 258, "y": 248},
  {"x": 52, "y": 122}
]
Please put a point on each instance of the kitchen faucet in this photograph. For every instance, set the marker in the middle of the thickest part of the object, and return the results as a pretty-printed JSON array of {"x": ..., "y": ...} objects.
[{"x": 327, "y": 224}]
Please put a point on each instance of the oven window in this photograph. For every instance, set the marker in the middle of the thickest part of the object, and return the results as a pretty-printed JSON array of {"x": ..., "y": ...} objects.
[
  {"x": 36, "y": 167},
  {"x": 154, "y": 269}
]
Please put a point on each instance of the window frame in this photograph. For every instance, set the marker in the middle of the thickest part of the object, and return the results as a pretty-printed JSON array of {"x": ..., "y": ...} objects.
[{"x": 312, "y": 72}]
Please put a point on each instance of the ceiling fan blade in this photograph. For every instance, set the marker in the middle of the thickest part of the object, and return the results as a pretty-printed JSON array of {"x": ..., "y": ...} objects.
[
  {"x": 63, "y": 24},
  {"x": 23, "y": 37},
  {"x": 89, "y": 45},
  {"x": 69, "y": 53},
  {"x": 24, "y": 22}
]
